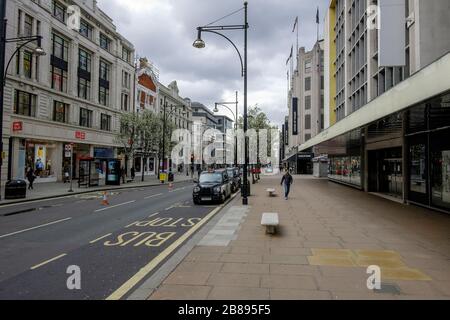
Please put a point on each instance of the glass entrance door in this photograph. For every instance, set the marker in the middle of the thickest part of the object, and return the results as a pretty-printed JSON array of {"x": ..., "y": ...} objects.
[{"x": 393, "y": 176}]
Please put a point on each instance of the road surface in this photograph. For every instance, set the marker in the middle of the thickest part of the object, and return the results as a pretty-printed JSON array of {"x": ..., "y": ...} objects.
[{"x": 47, "y": 247}]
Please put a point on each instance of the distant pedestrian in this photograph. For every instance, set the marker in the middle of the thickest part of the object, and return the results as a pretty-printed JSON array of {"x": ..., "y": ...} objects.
[
  {"x": 123, "y": 174},
  {"x": 132, "y": 173},
  {"x": 286, "y": 182},
  {"x": 31, "y": 177}
]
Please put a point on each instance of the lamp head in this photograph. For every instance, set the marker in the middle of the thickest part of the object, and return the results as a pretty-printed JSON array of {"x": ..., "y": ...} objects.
[
  {"x": 199, "y": 43},
  {"x": 39, "y": 51}
]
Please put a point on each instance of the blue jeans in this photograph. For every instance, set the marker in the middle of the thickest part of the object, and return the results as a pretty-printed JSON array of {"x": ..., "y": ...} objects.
[{"x": 287, "y": 189}]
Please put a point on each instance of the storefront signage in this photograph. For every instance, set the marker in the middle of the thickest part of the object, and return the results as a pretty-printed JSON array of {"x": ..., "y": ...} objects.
[
  {"x": 80, "y": 135},
  {"x": 295, "y": 116},
  {"x": 103, "y": 153},
  {"x": 18, "y": 126}
]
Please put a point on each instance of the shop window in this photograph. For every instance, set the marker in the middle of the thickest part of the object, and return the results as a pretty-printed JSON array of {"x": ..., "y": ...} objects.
[
  {"x": 60, "y": 112},
  {"x": 25, "y": 104},
  {"x": 418, "y": 183},
  {"x": 105, "y": 122},
  {"x": 85, "y": 118},
  {"x": 440, "y": 169}
]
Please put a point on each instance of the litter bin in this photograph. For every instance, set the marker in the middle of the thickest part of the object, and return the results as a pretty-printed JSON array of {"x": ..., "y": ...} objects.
[{"x": 16, "y": 189}]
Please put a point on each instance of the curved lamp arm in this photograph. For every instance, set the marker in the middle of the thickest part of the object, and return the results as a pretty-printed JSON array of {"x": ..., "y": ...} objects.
[
  {"x": 223, "y": 105},
  {"x": 13, "y": 55},
  {"x": 229, "y": 40}
]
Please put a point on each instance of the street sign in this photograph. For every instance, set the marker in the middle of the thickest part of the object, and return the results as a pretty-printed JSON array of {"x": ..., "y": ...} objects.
[{"x": 68, "y": 147}]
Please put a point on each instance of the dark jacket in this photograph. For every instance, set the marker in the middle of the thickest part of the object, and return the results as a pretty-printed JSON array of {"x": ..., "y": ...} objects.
[
  {"x": 287, "y": 179},
  {"x": 30, "y": 175}
]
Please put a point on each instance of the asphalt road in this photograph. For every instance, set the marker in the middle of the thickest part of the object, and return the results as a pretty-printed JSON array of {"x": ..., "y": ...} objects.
[{"x": 116, "y": 247}]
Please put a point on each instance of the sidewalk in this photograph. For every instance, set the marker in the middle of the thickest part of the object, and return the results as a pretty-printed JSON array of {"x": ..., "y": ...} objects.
[
  {"x": 60, "y": 189},
  {"x": 329, "y": 234}
]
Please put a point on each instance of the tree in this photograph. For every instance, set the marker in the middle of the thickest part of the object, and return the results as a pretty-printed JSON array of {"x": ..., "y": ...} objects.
[
  {"x": 127, "y": 136},
  {"x": 258, "y": 120},
  {"x": 149, "y": 133}
]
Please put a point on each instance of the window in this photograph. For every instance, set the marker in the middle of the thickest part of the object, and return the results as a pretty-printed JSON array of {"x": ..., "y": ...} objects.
[
  {"x": 103, "y": 96},
  {"x": 124, "y": 102},
  {"x": 59, "y": 79},
  {"x": 104, "y": 42},
  {"x": 84, "y": 88},
  {"x": 104, "y": 70},
  {"x": 59, "y": 12},
  {"x": 25, "y": 104},
  {"x": 28, "y": 26},
  {"x": 126, "y": 54},
  {"x": 60, "y": 112},
  {"x": 85, "y": 118},
  {"x": 126, "y": 79},
  {"x": 308, "y": 122},
  {"x": 308, "y": 65},
  {"x": 307, "y": 102},
  {"x": 308, "y": 84},
  {"x": 105, "y": 122},
  {"x": 60, "y": 47},
  {"x": 27, "y": 64},
  {"x": 85, "y": 29},
  {"x": 307, "y": 137},
  {"x": 84, "y": 61}
]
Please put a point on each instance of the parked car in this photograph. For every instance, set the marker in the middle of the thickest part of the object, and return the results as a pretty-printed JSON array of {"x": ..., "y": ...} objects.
[
  {"x": 213, "y": 185},
  {"x": 235, "y": 178}
]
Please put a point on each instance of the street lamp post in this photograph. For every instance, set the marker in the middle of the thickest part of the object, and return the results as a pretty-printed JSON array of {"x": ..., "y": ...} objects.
[
  {"x": 199, "y": 43},
  {"x": 235, "y": 115},
  {"x": 3, "y": 71},
  {"x": 165, "y": 116}
]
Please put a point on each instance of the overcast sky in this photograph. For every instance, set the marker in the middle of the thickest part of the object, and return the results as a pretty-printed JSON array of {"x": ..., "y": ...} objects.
[{"x": 164, "y": 30}]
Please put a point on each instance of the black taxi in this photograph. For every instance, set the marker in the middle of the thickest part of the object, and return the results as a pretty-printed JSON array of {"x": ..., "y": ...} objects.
[{"x": 213, "y": 185}]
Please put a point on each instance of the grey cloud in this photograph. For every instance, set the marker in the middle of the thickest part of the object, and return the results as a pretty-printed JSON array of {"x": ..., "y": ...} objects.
[{"x": 207, "y": 75}]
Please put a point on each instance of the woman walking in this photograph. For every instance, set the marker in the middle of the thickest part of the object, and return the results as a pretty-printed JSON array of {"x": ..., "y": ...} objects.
[
  {"x": 31, "y": 177},
  {"x": 287, "y": 181}
]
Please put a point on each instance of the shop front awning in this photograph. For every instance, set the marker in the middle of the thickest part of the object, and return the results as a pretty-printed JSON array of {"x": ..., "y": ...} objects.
[{"x": 425, "y": 84}]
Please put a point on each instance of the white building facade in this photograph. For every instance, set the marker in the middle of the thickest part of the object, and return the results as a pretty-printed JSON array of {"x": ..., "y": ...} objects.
[{"x": 73, "y": 95}]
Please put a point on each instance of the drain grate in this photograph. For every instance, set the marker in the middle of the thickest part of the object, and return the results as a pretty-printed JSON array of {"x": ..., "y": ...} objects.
[{"x": 389, "y": 288}]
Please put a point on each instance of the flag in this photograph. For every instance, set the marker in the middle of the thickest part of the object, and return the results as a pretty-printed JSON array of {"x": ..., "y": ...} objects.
[
  {"x": 295, "y": 24},
  {"x": 290, "y": 56},
  {"x": 317, "y": 16}
]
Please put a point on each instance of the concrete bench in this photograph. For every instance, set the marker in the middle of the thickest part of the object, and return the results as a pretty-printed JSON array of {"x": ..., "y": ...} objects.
[
  {"x": 270, "y": 221},
  {"x": 271, "y": 192}
]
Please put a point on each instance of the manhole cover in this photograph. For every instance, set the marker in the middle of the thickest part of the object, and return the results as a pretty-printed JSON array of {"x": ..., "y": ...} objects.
[{"x": 389, "y": 288}]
